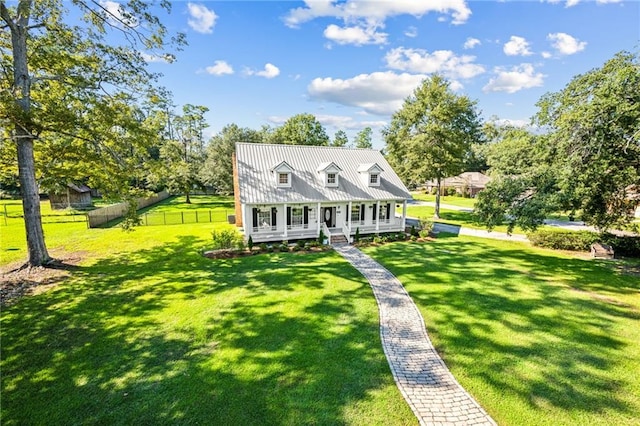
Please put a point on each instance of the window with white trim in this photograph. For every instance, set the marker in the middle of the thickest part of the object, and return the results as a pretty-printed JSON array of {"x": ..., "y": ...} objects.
[
  {"x": 283, "y": 179},
  {"x": 331, "y": 178},
  {"x": 355, "y": 213},
  {"x": 264, "y": 218},
  {"x": 374, "y": 179},
  {"x": 296, "y": 216}
]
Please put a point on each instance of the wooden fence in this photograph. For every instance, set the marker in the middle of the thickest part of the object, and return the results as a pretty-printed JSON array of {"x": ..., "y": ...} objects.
[{"x": 98, "y": 217}]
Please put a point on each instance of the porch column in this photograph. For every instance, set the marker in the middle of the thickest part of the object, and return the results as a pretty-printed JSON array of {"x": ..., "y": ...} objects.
[
  {"x": 285, "y": 221},
  {"x": 318, "y": 218},
  {"x": 404, "y": 215},
  {"x": 378, "y": 215},
  {"x": 349, "y": 215},
  {"x": 246, "y": 224}
]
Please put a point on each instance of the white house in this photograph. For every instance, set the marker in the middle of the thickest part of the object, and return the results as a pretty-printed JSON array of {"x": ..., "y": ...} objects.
[{"x": 288, "y": 192}]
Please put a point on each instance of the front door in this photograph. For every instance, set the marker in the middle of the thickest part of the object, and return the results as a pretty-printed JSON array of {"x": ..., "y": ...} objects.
[{"x": 329, "y": 216}]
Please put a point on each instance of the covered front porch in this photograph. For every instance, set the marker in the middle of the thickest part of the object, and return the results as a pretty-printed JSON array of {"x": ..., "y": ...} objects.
[{"x": 283, "y": 222}]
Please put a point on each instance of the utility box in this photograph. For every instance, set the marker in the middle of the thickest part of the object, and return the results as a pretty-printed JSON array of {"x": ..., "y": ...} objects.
[{"x": 602, "y": 251}]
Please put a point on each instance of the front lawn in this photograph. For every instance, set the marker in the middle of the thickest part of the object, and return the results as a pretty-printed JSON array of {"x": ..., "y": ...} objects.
[
  {"x": 147, "y": 331},
  {"x": 451, "y": 200},
  {"x": 537, "y": 337}
]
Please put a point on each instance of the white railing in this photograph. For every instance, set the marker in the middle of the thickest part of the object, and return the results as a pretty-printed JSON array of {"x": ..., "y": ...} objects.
[{"x": 346, "y": 231}]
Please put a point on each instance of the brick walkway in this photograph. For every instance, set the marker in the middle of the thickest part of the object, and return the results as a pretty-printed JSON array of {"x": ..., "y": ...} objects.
[{"x": 430, "y": 389}]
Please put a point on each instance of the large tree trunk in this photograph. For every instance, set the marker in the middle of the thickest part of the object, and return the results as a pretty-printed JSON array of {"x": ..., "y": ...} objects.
[
  {"x": 436, "y": 214},
  {"x": 38, "y": 254}
]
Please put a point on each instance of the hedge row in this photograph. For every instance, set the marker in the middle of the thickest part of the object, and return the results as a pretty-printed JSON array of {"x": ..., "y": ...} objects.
[{"x": 582, "y": 240}]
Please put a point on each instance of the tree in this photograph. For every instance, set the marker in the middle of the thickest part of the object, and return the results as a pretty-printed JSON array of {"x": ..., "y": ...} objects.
[
  {"x": 301, "y": 129},
  {"x": 217, "y": 170},
  {"x": 431, "y": 135},
  {"x": 363, "y": 138},
  {"x": 184, "y": 156},
  {"x": 590, "y": 158},
  {"x": 61, "y": 80},
  {"x": 340, "y": 138}
]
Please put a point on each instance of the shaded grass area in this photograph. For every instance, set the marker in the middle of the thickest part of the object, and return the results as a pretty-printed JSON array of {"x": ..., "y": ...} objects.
[
  {"x": 160, "y": 335},
  {"x": 537, "y": 337}
]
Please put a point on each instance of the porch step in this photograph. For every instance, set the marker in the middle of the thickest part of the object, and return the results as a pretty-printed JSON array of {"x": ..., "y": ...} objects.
[{"x": 338, "y": 239}]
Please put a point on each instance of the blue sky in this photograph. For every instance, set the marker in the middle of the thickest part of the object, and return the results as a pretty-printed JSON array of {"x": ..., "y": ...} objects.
[{"x": 351, "y": 63}]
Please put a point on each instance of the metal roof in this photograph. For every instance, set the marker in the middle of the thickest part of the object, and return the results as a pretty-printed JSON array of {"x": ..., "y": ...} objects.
[{"x": 258, "y": 183}]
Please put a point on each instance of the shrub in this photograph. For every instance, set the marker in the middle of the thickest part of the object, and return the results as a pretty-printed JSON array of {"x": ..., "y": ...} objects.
[
  {"x": 425, "y": 224},
  {"x": 414, "y": 231},
  {"x": 300, "y": 244},
  {"x": 423, "y": 233},
  {"x": 356, "y": 237},
  {"x": 225, "y": 238},
  {"x": 321, "y": 237},
  {"x": 250, "y": 243},
  {"x": 413, "y": 238},
  {"x": 563, "y": 240},
  {"x": 581, "y": 241},
  {"x": 263, "y": 247},
  {"x": 622, "y": 245},
  {"x": 283, "y": 246},
  {"x": 378, "y": 239},
  {"x": 240, "y": 245}
]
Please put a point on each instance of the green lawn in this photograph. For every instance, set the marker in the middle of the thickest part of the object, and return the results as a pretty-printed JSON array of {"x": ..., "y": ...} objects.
[
  {"x": 454, "y": 201},
  {"x": 149, "y": 332},
  {"x": 537, "y": 337}
]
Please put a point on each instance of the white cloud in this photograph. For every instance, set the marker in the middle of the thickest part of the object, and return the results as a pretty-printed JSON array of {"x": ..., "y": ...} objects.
[
  {"x": 546, "y": 55},
  {"x": 517, "y": 78},
  {"x": 149, "y": 58},
  {"x": 117, "y": 15},
  {"x": 347, "y": 122},
  {"x": 411, "y": 32},
  {"x": 379, "y": 11},
  {"x": 517, "y": 46},
  {"x": 441, "y": 61},
  {"x": 219, "y": 68},
  {"x": 202, "y": 20},
  {"x": 269, "y": 71},
  {"x": 571, "y": 3},
  {"x": 566, "y": 44},
  {"x": 471, "y": 43},
  {"x": 512, "y": 122},
  {"x": 357, "y": 35},
  {"x": 379, "y": 93}
]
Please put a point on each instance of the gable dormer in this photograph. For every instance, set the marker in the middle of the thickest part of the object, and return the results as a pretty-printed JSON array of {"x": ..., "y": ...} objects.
[
  {"x": 282, "y": 174},
  {"x": 329, "y": 174},
  {"x": 370, "y": 173}
]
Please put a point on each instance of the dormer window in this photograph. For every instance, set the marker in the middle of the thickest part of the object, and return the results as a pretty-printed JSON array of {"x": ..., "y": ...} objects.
[
  {"x": 282, "y": 173},
  {"x": 370, "y": 173},
  {"x": 329, "y": 173}
]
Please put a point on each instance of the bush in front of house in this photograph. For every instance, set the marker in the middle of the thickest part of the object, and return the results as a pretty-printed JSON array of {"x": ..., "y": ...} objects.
[
  {"x": 225, "y": 238},
  {"x": 250, "y": 243}
]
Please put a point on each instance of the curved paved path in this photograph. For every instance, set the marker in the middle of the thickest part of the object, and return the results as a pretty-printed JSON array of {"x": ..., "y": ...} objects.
[{"x": 431, "y": 391}]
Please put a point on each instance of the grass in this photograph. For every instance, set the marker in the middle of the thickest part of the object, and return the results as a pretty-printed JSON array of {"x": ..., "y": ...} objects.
[
  {"x": 74, "y": 236},
  {"x": 537, "y": 337},
  {"x": 451, "y": 200},
  {"x": 149, "y": 332}
]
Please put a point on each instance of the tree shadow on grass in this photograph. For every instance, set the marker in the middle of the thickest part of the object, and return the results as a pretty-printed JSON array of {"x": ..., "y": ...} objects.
[
  {"x": 165, "y": 336},
  {"x": 512, "y": 318}
]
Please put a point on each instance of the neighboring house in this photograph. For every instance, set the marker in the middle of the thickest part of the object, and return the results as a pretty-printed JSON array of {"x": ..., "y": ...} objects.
[
  {"x": 288, "y": 192},
  {"x": 470, "y": 183},
  {"x": 76, "y": 196}
]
